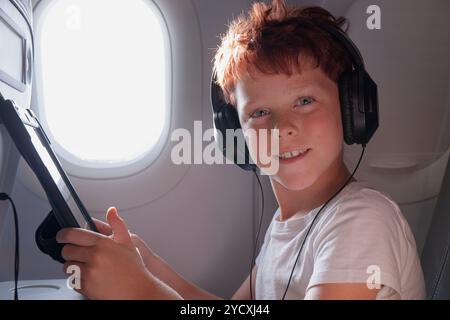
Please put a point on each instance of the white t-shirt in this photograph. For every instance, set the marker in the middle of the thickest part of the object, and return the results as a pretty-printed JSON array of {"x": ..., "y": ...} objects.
[{"x": 361, "y": 236}]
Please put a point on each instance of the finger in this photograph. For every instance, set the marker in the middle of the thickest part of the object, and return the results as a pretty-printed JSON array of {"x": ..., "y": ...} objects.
[
  {"x": 75, "y": 253},
  {"x": 102, "y": 227},
  {"x": 78, "y": 236},
  {"x": 119, "y": 228}
]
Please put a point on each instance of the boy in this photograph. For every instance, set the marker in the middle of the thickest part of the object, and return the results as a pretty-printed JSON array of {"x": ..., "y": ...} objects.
[{"x": 279, "y": 70}]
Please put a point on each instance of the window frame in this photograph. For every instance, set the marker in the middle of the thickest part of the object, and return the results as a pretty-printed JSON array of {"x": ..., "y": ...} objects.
[
  {"x": 101, "y": 170},
  {"x": 189, "y": 76}
]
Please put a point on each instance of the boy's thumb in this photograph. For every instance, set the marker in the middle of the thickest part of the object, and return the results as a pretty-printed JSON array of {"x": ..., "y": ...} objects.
[{"x": 119, "y": 228}]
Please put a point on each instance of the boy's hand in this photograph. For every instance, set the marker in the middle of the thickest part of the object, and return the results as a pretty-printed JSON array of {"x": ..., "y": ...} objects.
[
  {"x": 145, "y": 251},
  {"x": 110, "y": 265}
]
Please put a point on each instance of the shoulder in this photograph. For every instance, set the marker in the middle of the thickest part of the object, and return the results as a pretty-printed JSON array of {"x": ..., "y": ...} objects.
[
  {"x": 374, "y": 199},
  {"x": 365, "y": 215},
  {"x": 364, "y": 228},
  {"x": 367, "y": 206}
]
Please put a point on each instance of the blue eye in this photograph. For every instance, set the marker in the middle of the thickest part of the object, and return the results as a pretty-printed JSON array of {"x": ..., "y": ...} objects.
[
  {"x": 259, "y": 113},
  {"x": 305, "y": 100}
]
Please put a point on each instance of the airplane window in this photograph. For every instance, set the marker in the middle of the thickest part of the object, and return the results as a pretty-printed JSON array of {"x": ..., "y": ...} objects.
[{"x": 103, "y": 80}]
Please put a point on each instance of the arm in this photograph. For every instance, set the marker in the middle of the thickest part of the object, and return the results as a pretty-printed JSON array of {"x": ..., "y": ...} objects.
[
  {"x": 161, "y": 269},
  {"x": 185, "y": 288},
  {"x": 243, "y": 293},
  {"x": 341, "y": 291},
  {"x": 328, "y": 291}
]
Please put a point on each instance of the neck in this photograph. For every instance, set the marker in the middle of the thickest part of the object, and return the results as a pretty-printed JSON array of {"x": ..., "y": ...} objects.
[{"x": 302, "y": 201}]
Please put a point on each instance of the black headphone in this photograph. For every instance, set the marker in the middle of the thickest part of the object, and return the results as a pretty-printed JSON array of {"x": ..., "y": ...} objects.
[{"x": 357, "y": 95}]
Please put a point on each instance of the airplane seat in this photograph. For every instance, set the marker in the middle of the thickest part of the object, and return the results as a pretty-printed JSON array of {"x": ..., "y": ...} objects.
[
  {"x": 436, "y": 252},
  {"x": 16, "y": 72},
  {"x": 408, "y": 156}
]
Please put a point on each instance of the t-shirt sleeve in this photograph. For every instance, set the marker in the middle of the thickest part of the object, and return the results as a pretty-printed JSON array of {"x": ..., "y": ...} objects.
[{"x": 359, "y": 244}]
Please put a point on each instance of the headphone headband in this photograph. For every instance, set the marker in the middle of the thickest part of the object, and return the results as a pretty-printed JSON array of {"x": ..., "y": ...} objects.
[
  {"x": 218, "y": 99},
  {"x": 343, "y": 39}
]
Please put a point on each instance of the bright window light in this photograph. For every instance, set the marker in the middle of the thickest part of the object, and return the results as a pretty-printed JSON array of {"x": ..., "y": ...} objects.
[{"x": 103, "y": 68}]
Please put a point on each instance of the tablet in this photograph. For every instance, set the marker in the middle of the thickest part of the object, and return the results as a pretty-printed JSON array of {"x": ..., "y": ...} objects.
[{"x": 34, "y": 146}]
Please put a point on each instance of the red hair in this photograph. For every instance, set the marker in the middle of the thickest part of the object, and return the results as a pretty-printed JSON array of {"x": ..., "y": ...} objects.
[{"x": 272, "y": 38}]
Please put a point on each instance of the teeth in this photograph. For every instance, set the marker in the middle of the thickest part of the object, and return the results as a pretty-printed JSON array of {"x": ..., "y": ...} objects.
[{"x": 291, "y": 154}]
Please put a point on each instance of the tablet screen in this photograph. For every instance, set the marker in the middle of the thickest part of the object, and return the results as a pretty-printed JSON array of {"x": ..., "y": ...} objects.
[{"x": 36, "y": 138}]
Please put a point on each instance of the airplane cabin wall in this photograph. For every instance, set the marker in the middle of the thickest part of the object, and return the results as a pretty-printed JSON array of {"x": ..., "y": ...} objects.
[{"x": 202, "y": 227}]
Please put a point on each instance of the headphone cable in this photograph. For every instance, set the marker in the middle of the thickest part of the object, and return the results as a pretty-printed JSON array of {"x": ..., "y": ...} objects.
[
  {"x": 315, "y": 217},
  {"x": 5, "y": 196},
  {"x": 257, "y": 234}
]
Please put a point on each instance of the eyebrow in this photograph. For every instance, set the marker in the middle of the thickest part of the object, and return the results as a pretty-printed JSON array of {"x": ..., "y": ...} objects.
[
  {"x": 300, "y": 91},
  {"x": 311, "y": 86}
]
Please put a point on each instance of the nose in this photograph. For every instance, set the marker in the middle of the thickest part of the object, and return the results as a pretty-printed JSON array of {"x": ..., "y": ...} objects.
[{"x": 286, "y": 128}]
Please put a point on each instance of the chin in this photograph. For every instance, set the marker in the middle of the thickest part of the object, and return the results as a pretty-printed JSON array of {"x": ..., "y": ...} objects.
[{"x": 295, "y": 182}]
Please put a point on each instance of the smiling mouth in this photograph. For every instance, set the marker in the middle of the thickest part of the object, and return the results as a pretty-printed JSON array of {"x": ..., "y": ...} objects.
[{"x": 291, "y": 156}]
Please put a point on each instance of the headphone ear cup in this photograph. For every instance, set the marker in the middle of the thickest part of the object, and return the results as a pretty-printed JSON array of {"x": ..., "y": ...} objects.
[
  {"x": 240, "y": 156},
  {"x": 226, "y": 117},
  {"x": 366, "y": 120},
  {"x": 346, "y": 100},
  {"x": 231, "y": 117}
]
